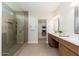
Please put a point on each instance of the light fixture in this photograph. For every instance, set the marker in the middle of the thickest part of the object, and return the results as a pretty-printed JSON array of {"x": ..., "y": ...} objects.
[
  {"x": 57, "y": 16},
  {"x": 73, "y": 4}
]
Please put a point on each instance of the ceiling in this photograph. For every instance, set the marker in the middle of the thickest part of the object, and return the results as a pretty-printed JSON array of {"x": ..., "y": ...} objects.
[{"x": 34, "y": 6}]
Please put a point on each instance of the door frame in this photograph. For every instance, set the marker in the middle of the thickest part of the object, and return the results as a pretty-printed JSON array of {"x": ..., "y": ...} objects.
[{"x": 46, "y": 30}]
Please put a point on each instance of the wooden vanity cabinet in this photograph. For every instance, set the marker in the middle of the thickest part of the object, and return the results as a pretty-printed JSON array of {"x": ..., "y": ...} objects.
[
  {"x": 52, "y": 42},
  {"x": 66, "y": 48},
  {"x": 65, "y": 51}
]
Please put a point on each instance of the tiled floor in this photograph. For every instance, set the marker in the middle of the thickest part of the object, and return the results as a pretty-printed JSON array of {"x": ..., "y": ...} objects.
[
  {"x": 12, "y": 50},
  {"x": 37, "y": 50}
]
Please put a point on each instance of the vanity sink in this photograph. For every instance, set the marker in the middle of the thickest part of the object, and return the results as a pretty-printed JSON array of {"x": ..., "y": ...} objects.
[
  {"x": 76, "y": 37},
  {"x": 72, "y": 38}
]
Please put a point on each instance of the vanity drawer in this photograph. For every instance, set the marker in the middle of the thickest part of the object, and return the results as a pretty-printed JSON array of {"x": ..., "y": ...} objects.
[
  {"x": 52, "y": 42},
  {"x": 55, "y": 38},
  {"x": 70, "y": 46},
  {"x": 64, "y": 51}
]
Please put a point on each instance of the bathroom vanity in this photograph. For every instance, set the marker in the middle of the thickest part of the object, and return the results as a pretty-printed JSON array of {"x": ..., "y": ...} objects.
[{"x": 67, "y": 46}]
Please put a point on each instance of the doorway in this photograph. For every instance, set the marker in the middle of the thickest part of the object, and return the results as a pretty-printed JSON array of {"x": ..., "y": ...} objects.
[{"x": 42, "y": 32}]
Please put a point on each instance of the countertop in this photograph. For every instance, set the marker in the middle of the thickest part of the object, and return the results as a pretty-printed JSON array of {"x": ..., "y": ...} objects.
[{"x": 71, "y": 39}]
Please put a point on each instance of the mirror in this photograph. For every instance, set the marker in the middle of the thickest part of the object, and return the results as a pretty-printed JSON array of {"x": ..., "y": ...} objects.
[
  {"x": 55, "y": 24},
  {"x": 76, "y": 20}
]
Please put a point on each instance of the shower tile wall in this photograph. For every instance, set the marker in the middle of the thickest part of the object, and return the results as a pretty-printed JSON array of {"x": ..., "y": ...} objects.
[
  {"x": 8, "y": 29},
  {"x": 13, "y": 26},
  {"x": 22, "y": 27}
]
